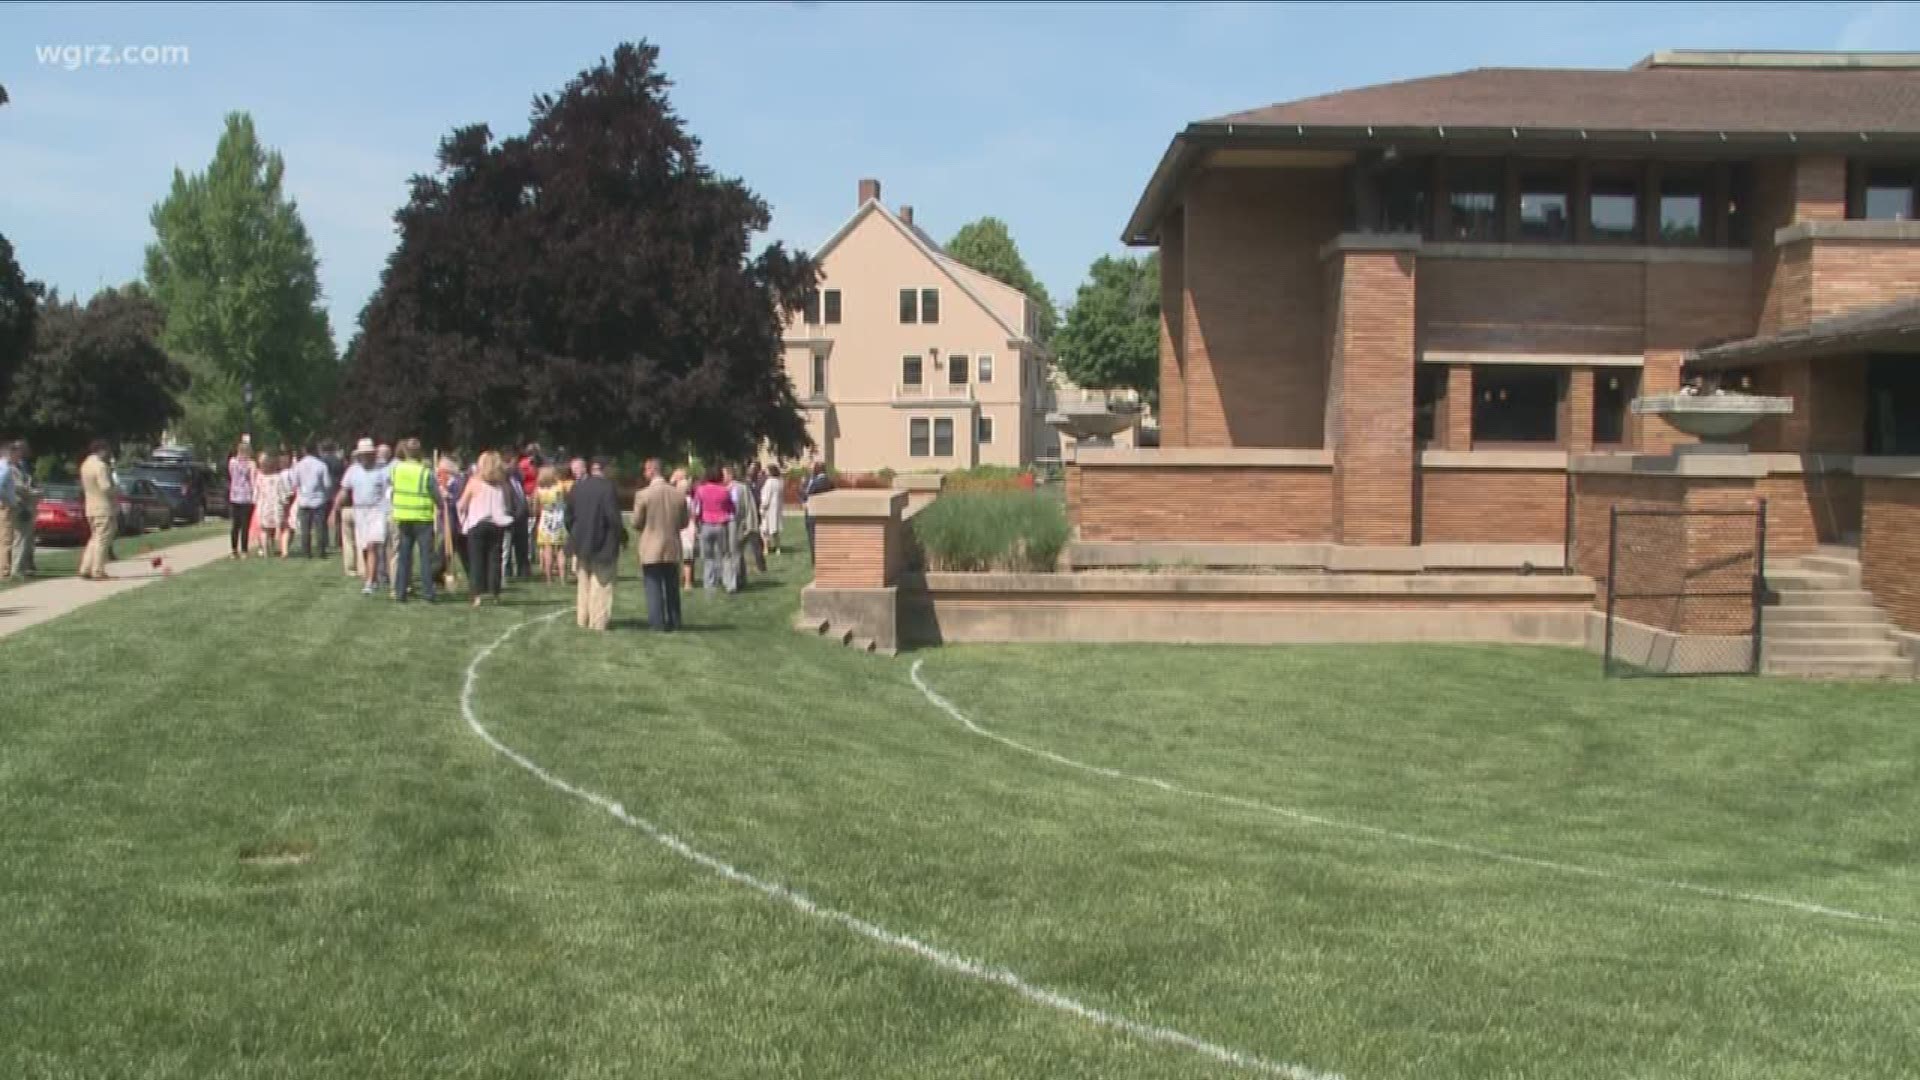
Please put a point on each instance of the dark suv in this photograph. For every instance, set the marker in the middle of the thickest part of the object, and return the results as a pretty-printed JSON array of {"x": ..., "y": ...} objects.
[{"x": 192, "y": 489}]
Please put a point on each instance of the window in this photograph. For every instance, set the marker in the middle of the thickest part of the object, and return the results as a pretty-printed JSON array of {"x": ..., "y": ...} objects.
[
  {"x": 1545, "y": 203},
  {"x": 1516, "y": 403},
  {"x": 917, "y": 437},
  {"x": 1739, "y": 182},
  {"x": 1404, "y": 192},
  {"x": 957, "y": 370},
  {"x": 929, "y": 305},
  {"x": 943, "y": 438},
  {"x": 1473, "y": 198},
  {"x": 1884, "y": 192},
  {"x": 909, "y": 306},
  {"x": 1612, "y": 390},
  {"x": 819, "y": 375},
  {"x": 1613, "y": 205},
  {"x": 810, "y": 309},
  {"x": 985, "y": 364},
  {"x": 833, "y": 305},
  {"x": 1683, "y": 205},
  {"x": 984, "y": 431},
  {"x": 912, "y": 371},
  {"x": 1429, "y": 394}
]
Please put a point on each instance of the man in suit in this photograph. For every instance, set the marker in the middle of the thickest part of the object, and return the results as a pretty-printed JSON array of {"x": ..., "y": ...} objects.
[
  {"x": 659, "y": 513},
  {"x": 594, "y": 536},
  {"x": 96, "y": 482}
]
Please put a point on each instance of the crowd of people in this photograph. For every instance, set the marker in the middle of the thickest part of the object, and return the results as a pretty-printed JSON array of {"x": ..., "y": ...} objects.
[{"x": 411, "y": 527}]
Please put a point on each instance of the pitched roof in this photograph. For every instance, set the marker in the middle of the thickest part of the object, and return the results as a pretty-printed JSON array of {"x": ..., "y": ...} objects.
[
  {"x": 1891, "y": 327},
  {"x": 1658, "y": 99}
]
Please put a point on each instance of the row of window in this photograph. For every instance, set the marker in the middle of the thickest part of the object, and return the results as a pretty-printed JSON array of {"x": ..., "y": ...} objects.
[
  {"x": 1883, "y": 191},
  {"x": 959, "y": 368},
  {"x": 917, "y": 306},
  {"x": 1525, "y": 403},
  {"x": 933, "y": 436}
]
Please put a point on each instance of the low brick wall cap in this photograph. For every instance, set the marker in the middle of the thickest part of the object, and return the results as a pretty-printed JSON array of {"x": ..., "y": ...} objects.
[
  {"x": 1888, "y": 468},
  {"x": 857, "y": 504},
  {"x": 1204, "y": 457}
]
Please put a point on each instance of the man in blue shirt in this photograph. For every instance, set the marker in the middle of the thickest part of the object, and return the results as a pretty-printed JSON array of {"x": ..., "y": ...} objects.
[
  {"x": 312, "y": 484},
  {"x": 363, "y": 496},
  {"x": 9, "y": 504}
]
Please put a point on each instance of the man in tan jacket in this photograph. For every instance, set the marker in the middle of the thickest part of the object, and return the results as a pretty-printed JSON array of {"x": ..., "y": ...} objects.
[
  {"x": 659, "y": 513},
  {"x": 96, "y": 481}
]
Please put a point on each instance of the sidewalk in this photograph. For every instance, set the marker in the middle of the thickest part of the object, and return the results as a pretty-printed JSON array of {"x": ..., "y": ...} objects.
[{"x": 33, "y": 604}]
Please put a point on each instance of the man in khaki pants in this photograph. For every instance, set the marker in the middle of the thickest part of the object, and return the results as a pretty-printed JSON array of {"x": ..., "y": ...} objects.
[
  {"x": 11, "y": 493},
  {"x": 595, "y": 534},
  {"x": 96, "y": 481}
]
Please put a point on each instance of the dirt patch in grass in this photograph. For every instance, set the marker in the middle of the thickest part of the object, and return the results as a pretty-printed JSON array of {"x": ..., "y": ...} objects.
[{"x": 278, "y": 853}]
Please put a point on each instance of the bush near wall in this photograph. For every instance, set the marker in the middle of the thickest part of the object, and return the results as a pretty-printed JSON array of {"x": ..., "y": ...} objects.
[
  {"x": 796, "y": 481},
  {"x": 991, "y": 530},
  {"x": 988, "y": 478}
]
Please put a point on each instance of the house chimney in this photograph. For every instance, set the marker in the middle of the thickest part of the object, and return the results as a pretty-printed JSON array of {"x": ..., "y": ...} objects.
[
  {"x": 869, "y": 191},
  {"x": 906, "y": 214}
]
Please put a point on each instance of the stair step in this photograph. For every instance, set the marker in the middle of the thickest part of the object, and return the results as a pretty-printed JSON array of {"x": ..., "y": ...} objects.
[
  {"x": 1777, "y": 630},
  {"x": 861, "y": 644},
  {"x": 1822, "y": 648},
  {"x": 1792, "y": 597},
  {"x": 844, "y": 637},
  {"x": 1846, "y": 552},
  {"x": 818, "y": 626},
  {"x": 1822, "y": 613},
  {"x": 1828, "y": 564},
  {"x": 1832, "y": 668},
  {"x": 1823, "y": 580}
]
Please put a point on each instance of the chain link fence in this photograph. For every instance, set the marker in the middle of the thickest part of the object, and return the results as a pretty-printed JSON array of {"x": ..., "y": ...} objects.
[{"x": 1685, "y": 588}]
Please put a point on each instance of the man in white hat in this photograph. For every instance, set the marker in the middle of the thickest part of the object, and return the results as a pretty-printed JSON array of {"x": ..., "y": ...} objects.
[{"x": 363, "y": 501}]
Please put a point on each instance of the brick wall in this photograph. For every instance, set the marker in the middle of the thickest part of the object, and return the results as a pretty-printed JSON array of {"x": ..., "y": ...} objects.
[
  {"x": 1224, "y": 504},
  {"x": 1251, "y": 316},
  {"x": 1820, "y": 189},
  {"x": 1456, "y": 426},
  {"x": 1804, "y": 511},
  {"x": 1173, "y": 281},
  {"x": 1890, "y": 547},
  {"x": 854, "y": 553},
  {"x": 1527, "y": 305},
  {"x": 1374, "y": 462},
  {"x": 1493, "y": 506},
  {"x": 1577, "y": 420},
  {"x": 1687, "y": 305},
  {"x": 1849, "y": 275},
  {"x": 1594, "y": 495}
]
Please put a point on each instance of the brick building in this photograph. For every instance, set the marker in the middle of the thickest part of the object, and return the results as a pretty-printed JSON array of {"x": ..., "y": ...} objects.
[{"x": 1394, "y": 316}]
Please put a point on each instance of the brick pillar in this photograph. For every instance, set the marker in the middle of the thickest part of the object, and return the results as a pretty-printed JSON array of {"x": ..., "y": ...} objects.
[
  {"x": 1458, "y": 431},
  {"x": 1820, "y": 189},
  {"x": 1173, "y": 324},
  {"x": 1890, "y": 538},
  {"x": 859, "y": 555},
  {"x": 1373, "y": 462},
  {"x": 1579, "y": 410}
]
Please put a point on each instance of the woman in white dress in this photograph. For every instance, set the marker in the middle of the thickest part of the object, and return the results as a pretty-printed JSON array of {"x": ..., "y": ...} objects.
[{"x": 773, "y": 497}]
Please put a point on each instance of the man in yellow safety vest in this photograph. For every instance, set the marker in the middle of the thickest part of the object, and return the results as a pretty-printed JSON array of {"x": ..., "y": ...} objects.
[{"x": 415, "y": 505}]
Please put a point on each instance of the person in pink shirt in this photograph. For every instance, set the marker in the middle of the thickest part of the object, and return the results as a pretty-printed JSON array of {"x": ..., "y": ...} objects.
[{"x": 714, "y": 505}]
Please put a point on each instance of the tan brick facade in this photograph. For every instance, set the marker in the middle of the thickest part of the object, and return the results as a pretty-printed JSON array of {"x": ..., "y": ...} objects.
[
  {"x": 854, "y": 554},
  {"x": 1373, "y": 359},
  {"x": 1890, "y": 547},
  {"x": 1500, "y": 506},
  {"x": 1203, "y": 505},
  {"x": 1173, "y": 371}
]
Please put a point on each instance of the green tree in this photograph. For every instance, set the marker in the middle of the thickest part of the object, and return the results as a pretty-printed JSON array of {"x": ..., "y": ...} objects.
[
  {"x": 1111, "y": 339},
  {"x": 233, "y": 269},
  {"x": 19, "y": 309},
  {"x": 96, "y": 371},
  {"x": 988, "y": 247}
]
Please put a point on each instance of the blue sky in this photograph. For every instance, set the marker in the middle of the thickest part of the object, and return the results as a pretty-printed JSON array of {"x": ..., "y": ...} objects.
[{"x": 1050, "y": 116}]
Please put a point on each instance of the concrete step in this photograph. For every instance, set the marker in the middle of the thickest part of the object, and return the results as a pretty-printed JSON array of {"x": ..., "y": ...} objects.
[
  {"x": 1822, "y": 613},
  {"x": 1776, "y": 630},
  {"x": 1795, "y": 578},
  {"x": 1830, "y": 648},
  {"x": 1831, "y": 668},
  {"x": 861, "y": 644},
  {"x": 1847, "y": 569},
  {"x": 1848, "y": 552},
  {"x": 1793, "y": 597},
  {"x": 818, "y": 626}
]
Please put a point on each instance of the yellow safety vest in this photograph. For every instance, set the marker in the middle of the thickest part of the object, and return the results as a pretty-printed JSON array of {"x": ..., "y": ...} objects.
[{"x": 412, "y": 492}]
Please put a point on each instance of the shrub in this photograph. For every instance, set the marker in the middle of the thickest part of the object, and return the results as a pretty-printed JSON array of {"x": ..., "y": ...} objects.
[
  {"x": 991, "y": 530},
  {"x": 988, "y": 478}
]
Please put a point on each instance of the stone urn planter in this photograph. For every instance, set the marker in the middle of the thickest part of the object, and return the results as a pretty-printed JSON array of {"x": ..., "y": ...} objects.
[
  {"x": 1094, "y": 423},
  {"x": 1716, "y": 419}
]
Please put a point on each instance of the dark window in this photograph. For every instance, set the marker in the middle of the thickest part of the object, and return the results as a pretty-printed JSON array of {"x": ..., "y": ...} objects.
[
  {"x": 911, "y": 371},
  {"x": 1473, "y": 199},
  {"x": 957, "y": 370},
  {"x": 1739, "y": 186},
  {"x": 917, "y": 439},
  {"x": 909, "y": 306},
  {"x": 929, "y": 305},
  {"x": 1429, "y": 393},
  {"x": 1404, "y": 191},
  {"x": 1683, "y": 205},
  {"x": 1545, "y": 203},
  {"x": 1613, "y": 388},
  {"x": 833, "y": 305},
  {"x": 1516, "y": 403},
  {"x": 1893, "y": 405},
  {"x": 810, "y": 309},
  {"x": 1886, "y": 192},
  {"x": 819, "y": 375},
  {"x": 943, "y": 438},
  {"x": 1613, "y": 206},
  {"x": 986, "y": 368},
  {"x": 984, "y": 431}
]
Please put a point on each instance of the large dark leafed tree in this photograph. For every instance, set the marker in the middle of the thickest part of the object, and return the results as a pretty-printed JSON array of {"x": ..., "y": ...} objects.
[
  {"x": 19, "y": 308},
  {"x": 590, "y": 283},
  {"x": 96, "y": 371}
]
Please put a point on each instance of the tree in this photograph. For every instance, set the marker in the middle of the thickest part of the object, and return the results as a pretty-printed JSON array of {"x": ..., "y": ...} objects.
[
  {"x": 587, "y": 283},
  {"x": 233, "y": 269},
  {"x": 988, "y": 247},
  {"x": 96, "y": 371},
  {"x": 19, "y": 308},
  {"x": 1112, "y": 335}
]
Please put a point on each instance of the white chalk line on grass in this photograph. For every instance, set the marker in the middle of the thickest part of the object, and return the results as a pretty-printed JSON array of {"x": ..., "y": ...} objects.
[
  {"x": 954, "y": 962},
  {"x": 1307, "y": 818}
]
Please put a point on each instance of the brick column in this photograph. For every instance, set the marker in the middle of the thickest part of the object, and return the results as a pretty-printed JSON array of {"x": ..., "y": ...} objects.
[
  {"x": 1579, "y": 410},
  {"x": 859, "y": 555},
  {"x": 1458, "y": 431},
  {"x": 1820, "y": 189},
  {"x": 1890, "y": 537},
  {"x": 1372, "y": 357}
]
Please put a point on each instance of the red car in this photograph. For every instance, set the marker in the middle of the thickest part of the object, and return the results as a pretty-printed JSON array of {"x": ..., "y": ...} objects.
[{"x": 62, "y": 516}]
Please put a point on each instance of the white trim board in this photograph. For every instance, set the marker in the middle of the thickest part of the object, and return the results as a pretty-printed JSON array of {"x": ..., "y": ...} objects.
[{"x": 1438, "y": 356}]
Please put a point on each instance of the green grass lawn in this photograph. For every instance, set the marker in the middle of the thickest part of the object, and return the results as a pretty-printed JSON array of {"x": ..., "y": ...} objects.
[
  {"x": 53, "y": 562},
  {"x": 458, "y": 917}
]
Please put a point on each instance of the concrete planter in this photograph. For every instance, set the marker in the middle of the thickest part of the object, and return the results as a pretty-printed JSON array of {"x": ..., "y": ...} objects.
[{"x": 1712, "y": 417}]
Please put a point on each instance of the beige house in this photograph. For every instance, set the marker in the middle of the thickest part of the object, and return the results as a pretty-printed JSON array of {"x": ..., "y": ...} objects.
[{"x": 906, "y": 360}]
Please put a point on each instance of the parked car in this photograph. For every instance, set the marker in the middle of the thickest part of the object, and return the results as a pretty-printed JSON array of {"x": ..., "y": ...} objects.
[
  {"x": 141, "y": 506},
  {"x": 193, "y": 490},
  {"x": 61, "y": 517}
]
